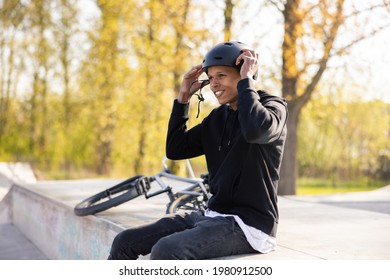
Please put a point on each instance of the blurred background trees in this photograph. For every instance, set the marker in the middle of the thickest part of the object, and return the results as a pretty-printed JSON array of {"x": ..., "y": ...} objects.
[{"x": 86, "y": 87}]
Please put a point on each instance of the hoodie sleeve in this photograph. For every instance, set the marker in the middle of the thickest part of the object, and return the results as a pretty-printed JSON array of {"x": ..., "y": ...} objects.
[
  {"x": 262, "y": 117},
  {"x": 182, "y": 143}
]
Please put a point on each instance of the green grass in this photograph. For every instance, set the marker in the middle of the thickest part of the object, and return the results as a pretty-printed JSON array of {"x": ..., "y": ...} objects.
[{"x": 309, "y": 186}]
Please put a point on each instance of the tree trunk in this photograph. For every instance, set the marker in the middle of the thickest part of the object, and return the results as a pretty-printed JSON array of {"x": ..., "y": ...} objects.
[
  {"x": 292, "y": 76},
  {"x": 5, "y": 87},
  {"x": 67, "y": 16},
  {"x": 289, "y": 170},
  {"x": 292, "y": 24},
  {"x": 228, "y": 13},
  {"x": 180, "y": 64},
  {"x": 107, "y": 55}
]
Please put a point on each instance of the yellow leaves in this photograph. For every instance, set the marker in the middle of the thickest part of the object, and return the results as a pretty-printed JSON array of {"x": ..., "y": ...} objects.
[{"x": 342, "y": 136}]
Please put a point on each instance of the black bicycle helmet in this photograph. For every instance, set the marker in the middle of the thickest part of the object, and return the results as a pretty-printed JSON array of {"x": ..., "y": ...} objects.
[{"x": 225, "y": 54}]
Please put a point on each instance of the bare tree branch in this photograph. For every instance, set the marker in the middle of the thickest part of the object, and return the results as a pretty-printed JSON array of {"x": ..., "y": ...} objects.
[
  {"x": 357, "y": 40},
  {"x": 368, "y": 9},
  {"x": 277, "y": 4},
  {"x": 328, "y": 46}
]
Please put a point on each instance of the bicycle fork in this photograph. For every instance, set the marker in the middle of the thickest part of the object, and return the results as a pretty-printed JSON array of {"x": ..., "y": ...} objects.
[{"x": 145, "y": 184}]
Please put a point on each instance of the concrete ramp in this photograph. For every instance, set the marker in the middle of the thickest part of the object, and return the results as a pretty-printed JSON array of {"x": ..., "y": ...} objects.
[
  {"x": 53, "y": 228},
  {"x": 18, "y": 172}
]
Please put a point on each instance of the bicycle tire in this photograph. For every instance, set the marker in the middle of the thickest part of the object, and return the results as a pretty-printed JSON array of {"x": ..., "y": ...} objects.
[
  {"x": 186, "y": 202},
  {"x": 124, "y": 191}
]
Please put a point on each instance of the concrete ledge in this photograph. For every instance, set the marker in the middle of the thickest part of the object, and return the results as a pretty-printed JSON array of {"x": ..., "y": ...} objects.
[
  {"x": 53, "y": 227},
  {"x": 311, "y": 228}
]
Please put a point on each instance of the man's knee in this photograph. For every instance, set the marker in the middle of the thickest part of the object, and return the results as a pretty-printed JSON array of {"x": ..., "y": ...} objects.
[
  {"x": 121, "y": 247},
  {"x": 166, "y": 249}
]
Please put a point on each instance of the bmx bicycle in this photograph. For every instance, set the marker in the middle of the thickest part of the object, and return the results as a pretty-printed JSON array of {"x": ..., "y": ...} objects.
[{"x": 191, "y": 197}]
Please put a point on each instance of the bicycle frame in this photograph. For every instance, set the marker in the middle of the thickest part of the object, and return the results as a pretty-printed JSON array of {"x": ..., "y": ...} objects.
[
  {"x": 193, "y": 181},
  {"x": 184, "y": 198}
]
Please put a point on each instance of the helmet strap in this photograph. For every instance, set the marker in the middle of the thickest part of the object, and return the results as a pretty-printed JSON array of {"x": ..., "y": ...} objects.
[
  {"x": 200, "y": 95},
  {"x": 200, "y": 99}
]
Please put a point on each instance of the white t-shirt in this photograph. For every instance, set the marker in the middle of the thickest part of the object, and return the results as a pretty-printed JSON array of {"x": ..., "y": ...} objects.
[{"x": 259, "y": 240}]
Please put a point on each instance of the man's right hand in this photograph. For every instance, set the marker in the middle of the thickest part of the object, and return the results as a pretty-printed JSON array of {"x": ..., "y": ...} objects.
[{"x": 190, "y": 84}]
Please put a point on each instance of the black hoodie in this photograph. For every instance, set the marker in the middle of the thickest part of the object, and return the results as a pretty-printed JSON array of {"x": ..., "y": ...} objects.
[{"x": 243, "y": 151}]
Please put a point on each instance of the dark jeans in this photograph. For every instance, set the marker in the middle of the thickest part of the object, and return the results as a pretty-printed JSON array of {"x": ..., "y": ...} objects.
[{"x": 183, "y": 237}]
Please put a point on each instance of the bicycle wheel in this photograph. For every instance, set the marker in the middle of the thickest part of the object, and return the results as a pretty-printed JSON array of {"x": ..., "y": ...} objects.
[
  {"x": 118, "y": 194},
  {"x": 187, "y": 202}
]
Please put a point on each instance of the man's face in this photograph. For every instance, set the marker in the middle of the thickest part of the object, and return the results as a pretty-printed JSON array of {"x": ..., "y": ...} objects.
[{"x": 223, "y": 83}]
